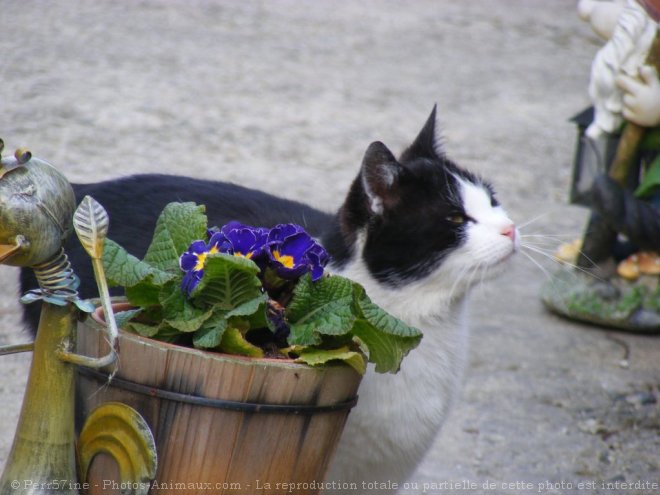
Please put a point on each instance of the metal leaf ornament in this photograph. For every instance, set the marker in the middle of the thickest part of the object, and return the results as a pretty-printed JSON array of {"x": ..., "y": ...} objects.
[{"x": 91, "y": 222}]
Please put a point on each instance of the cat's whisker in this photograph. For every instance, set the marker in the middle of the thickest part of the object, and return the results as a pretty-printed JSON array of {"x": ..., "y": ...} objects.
[
  {"x": 552, "y": 236},
  {"x": 542, "y": 247},
  {"x": 457, "y": 281},
  {"x": 455, "y": 284},
  {"x": 544, "y": 252},
  {"x": 539, "y": 265},
  {"x": 473, "y": 272},
  {"x": 547, "y": 274},
  {"x": 555, "y": 239},
  {"x": 484, "y": 271},
  {"x": 531, "y": 221},
  {"x": 544, "y": 243},
  {"x": 550, "y": 256},
  {"x": 591, "y": 262}
]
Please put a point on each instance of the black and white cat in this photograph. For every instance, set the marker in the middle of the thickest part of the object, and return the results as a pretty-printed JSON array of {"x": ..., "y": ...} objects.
[{"x": 417, "y": 232}]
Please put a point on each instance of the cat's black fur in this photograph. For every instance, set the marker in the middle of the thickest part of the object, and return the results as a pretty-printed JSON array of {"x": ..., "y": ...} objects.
[{"x": 408, "y": 209}]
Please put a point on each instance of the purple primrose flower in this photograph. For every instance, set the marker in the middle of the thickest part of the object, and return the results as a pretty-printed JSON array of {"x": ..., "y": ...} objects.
[
  {"x": 286, "y": 248},
  {"x": 241, "y": 240},
  {"x": 192, "y": 262},
  {"x": 293, "y": 252}
]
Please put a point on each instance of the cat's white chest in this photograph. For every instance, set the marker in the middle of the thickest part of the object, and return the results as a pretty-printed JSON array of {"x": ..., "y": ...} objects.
[{"x": 398, "y": 415}]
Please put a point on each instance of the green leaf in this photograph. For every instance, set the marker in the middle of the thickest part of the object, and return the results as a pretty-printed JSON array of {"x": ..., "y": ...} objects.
[
  {"x": 233, "y": 342},
  {"x": 251, "y": 315},
  {"x": 177, "y": 227},
  {"x": 210, "y": 335},
  {"x": 651, "y": 180},
  {"x": 122, "y": 268},
  {"x": 249, "y": 308},
  {"x": 143, "y": 329},
  {"x": 123, "y": 317},
  {"x": 651, "y": 139},
  {"x": 143, "y": 294},
  {"x": 387, "y": 339},
  {"x": 180, "y": 313},
  {"x": 381, "y": 319},
  {"x": 167, "y": 334},
  {"x": 385, "y": 350},
  {"x": 320, "y": 308},
  {"x": 228, "y": 282},
  {"x": 318, "y": 357},
  {"x": 191, "y": 323}
]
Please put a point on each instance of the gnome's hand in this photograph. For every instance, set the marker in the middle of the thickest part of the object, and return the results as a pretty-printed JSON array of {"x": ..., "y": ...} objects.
[{"x": 641, "y": 101}]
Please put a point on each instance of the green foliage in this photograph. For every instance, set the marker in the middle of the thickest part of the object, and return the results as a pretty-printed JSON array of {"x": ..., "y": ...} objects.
[
  {"x": 177, "y": 226},
  {"x": 234, "y": 342},
  {"x": 632, "y": 299},
  {"x": 387, "y": 338},
  {"x": 126, "y": 270},
  {"x": 324, "y": 307},
  {"x": 651, "y": 181},
  {"x": 651, "y": 139},
  {"x": 228, "y": 282},
  {"x": 317, "y": 357},
  {"x": 335, "y": 306},
  {"x": 209, "y": 335},
  {"x": 330, "y": 320}
]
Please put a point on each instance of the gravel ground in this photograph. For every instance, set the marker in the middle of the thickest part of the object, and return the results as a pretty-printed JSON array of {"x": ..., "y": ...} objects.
[{"x": 285, "y": 96}]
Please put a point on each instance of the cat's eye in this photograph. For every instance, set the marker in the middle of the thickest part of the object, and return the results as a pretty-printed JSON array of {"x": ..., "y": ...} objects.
[{"x": 457, "y": 218}]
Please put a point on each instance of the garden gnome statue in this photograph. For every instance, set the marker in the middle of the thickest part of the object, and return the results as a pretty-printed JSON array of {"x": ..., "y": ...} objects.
[{"x": 618, "y": 266}]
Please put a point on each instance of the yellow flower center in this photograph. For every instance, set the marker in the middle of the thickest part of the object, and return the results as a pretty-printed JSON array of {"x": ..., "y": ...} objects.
[
  {"x": 201, "y": 259},
  {"x": 241, "y": 255},
  {"x": 285, "y": 259}
]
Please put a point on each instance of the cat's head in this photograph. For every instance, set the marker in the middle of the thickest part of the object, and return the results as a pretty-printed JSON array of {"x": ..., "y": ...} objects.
[{"x": 421, "y": 218}]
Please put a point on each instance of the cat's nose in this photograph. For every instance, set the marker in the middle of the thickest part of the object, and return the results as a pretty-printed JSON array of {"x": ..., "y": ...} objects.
[{"x": 510, "y": 232}]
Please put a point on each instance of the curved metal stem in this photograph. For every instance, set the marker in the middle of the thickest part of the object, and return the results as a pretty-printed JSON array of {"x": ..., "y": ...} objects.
[
  {"x": 16, "y": 348},
  {"x": 58, "y": 284},
  {"x": 89, "y": 362}
]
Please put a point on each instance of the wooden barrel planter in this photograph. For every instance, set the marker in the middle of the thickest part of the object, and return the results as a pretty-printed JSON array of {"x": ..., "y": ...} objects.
[{"x": 221, "y": 423}]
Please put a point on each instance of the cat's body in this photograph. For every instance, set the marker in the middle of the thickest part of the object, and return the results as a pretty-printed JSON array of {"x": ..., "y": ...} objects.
[{"x": 416, "y": 232}]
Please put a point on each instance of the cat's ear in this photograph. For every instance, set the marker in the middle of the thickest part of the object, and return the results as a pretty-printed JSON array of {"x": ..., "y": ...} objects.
[
  {"x": 381, "y": 176},
  {"x": 428, "y": 143}
]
